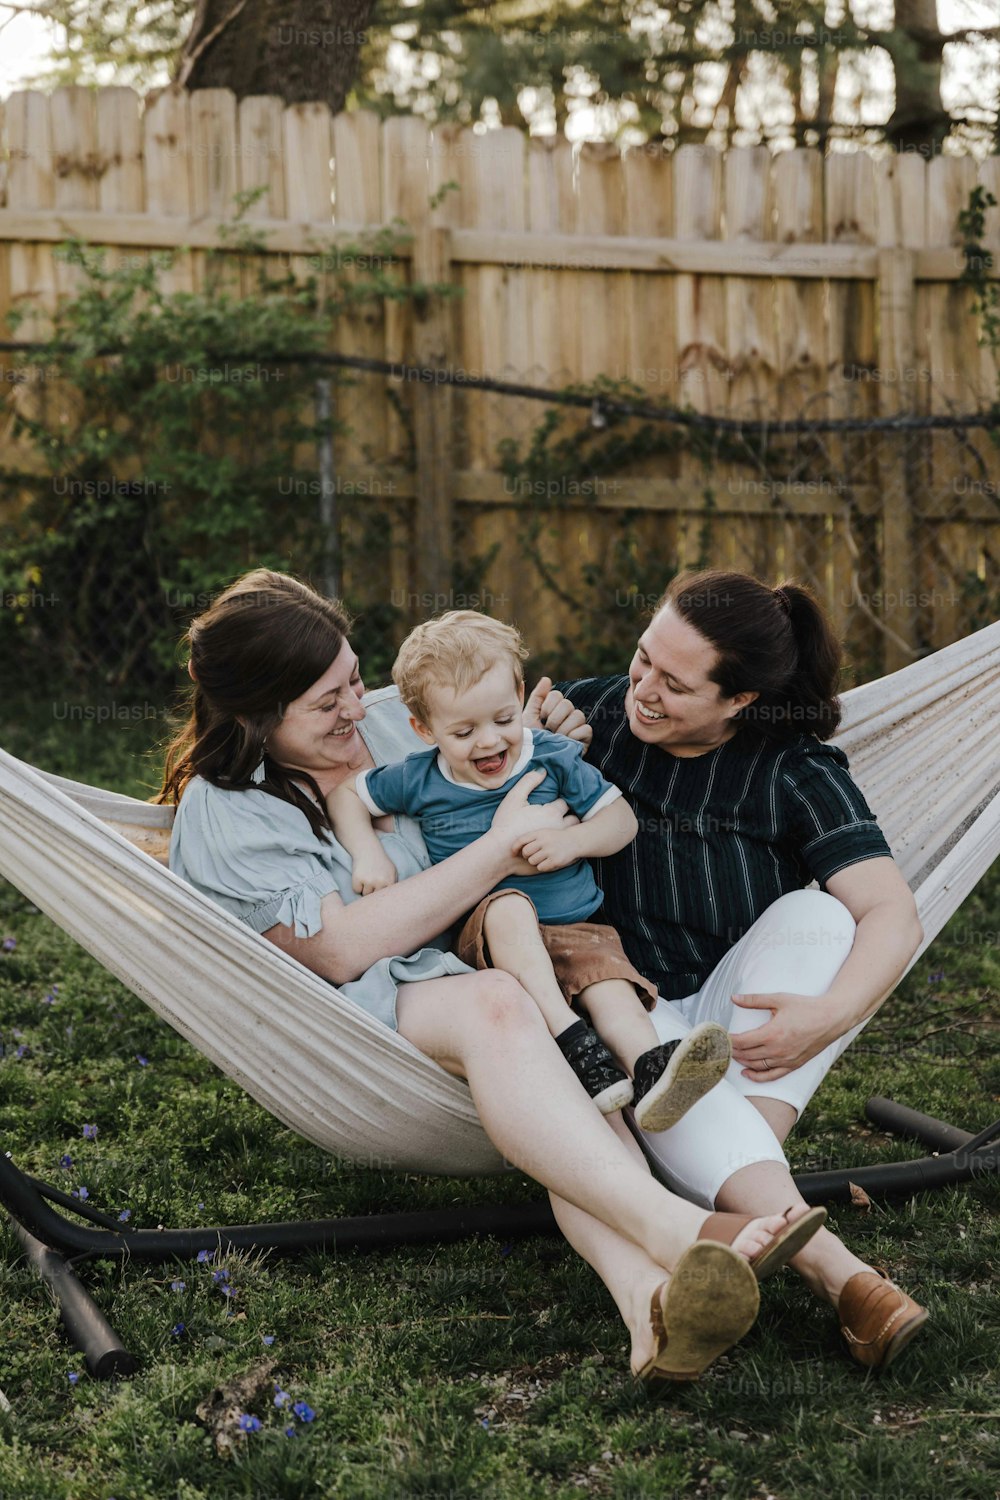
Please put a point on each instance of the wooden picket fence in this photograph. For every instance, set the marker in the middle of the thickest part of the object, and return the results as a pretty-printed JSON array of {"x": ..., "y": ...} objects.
[{"x": 745, "y": 284}]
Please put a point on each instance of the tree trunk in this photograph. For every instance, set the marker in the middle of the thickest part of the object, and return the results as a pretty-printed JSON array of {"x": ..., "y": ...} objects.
[
  {"x": 301, "y": 50},
  {"x": 918, "y": 122},
  {"x": 828, "y": 66},
  {"x": 726, "y": 106}
]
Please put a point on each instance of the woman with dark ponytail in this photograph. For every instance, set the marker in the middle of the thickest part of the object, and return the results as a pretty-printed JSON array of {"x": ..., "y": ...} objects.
[{"x": 717, "y": 736}]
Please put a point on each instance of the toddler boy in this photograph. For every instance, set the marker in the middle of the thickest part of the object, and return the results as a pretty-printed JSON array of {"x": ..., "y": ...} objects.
[{"x": 462, "y": 679}]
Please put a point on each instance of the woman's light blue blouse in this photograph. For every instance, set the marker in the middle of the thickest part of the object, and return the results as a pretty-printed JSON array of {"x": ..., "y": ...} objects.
[{"x": 257, "y": 857}]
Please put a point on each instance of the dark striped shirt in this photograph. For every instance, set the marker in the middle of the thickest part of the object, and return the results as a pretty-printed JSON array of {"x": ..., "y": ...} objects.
[{"x": 721, "y": 836}]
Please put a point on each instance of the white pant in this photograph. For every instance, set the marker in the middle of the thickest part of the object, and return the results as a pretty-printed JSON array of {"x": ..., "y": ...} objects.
[{"x": 797, "y": 946}]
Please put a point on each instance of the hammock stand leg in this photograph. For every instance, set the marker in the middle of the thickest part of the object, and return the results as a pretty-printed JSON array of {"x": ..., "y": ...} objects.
[
  {"x": 958, "y": 1157},
  {"x": 85, "y": 1324},
  {"x": 48, "y": 1236}
]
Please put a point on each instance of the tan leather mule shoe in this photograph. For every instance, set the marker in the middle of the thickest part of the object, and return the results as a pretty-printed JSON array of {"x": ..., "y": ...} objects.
[{"x": 877, "y": 1318}]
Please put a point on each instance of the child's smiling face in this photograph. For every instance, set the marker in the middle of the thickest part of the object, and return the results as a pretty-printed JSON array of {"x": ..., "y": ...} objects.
[{"x": 479, "y": 732}]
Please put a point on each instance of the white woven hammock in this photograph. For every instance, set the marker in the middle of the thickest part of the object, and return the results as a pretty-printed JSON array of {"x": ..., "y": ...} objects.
[{"x": 923, "y": 746}]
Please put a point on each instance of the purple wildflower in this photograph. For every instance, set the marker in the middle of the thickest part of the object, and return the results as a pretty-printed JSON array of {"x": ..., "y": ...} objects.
[
  {"x": 178, "y": 1286},
  {"x": 303, "y": 1411},
  {"x": 66, "y": 1162},
  {"x": 177, "y": 1330},
  {"x": 72, "y": 1377},
  {"x": 8, "y": 945},
  {"x": 90, "y": 1132},
  {"x": 249, "y": 1424},
  {"x": 124, "y": 1216}
]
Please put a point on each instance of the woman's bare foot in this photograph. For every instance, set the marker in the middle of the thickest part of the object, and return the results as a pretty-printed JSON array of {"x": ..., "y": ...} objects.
[
  {"x": 759, "y": 1233},
  {"x": 751, "y": 1240},
  {"x": 638, "y": 1322},
  {"x": 768, "y": 1243}
]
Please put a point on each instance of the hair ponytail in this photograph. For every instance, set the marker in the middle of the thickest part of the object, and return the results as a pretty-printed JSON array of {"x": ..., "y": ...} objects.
[
  {"x": 775, "y": 642},
  {"x": 811, "y": 692}
]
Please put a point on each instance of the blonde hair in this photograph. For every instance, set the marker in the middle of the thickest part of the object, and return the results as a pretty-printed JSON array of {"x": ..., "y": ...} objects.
[{"x": 455, "y": 650}]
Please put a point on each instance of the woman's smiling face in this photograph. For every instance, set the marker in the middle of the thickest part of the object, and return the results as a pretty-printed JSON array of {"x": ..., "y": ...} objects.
[
  {"x": 671, "y": 699},
  {"x": 318, "y": 731}
]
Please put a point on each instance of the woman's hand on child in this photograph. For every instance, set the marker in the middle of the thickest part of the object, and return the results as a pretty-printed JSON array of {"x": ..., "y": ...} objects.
[
  {"x": 372, "y": 872},
  {"x": 516, "y": 819},
  {"x": 546, "y": 708}
]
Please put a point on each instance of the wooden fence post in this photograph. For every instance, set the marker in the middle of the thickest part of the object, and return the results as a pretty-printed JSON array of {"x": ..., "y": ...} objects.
[
  {"x": 899, "y": 578},
  {"x": 432, "y": 425}
]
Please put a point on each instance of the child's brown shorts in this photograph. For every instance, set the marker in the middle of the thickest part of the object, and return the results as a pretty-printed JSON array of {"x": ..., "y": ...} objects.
[{"x": 582, "y": 953}]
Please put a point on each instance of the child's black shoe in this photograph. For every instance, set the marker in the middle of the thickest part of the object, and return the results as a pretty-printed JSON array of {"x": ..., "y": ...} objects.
[
  {"x": 670, "y": 1078},
  {"x": 596, "y": 1069}
]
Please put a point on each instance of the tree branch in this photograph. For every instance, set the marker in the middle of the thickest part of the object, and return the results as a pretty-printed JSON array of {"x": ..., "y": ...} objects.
[
  {"x": 188, "y": 64},
  {"x": 965, "y": 32}
]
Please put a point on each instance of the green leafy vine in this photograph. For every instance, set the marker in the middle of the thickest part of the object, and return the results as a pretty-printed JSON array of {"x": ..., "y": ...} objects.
[
  {"x": 138, "y": 484},
  {"x": 978, "y": 269}
]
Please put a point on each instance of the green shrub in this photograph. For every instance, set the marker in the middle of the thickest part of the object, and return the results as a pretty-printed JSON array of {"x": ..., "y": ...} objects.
[{"x": 166, "y": 468}]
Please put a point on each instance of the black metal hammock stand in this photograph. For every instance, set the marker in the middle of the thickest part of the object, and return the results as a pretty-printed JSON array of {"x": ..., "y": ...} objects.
[{"x": 54, "y": 1244}]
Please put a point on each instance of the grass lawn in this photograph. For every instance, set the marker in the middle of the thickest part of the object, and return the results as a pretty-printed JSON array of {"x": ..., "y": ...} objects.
[{"x": 481, "y": 1370}]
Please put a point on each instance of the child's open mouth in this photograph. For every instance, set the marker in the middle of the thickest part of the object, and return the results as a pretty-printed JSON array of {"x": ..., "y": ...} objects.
[{"x": 489, "y": 765}]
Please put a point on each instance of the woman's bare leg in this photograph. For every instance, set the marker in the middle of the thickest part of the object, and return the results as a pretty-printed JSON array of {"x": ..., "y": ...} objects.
[
  {"x": 626, "y": 1270},
  {"x": 779, "y": 1115},
  {"x": 486, "y": 1028}
]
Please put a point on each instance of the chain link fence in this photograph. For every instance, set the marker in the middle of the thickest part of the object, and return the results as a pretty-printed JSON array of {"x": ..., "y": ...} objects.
[{"x": 409, "y": 490}]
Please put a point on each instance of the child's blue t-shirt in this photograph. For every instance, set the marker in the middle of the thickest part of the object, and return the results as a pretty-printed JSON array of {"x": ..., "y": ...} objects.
[{"x": 451, "y": 813}]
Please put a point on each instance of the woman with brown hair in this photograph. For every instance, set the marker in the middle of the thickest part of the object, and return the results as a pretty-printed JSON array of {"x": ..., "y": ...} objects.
[
  {"x": 278, "y": 720},
  {"x": 718, "y": 738}
]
